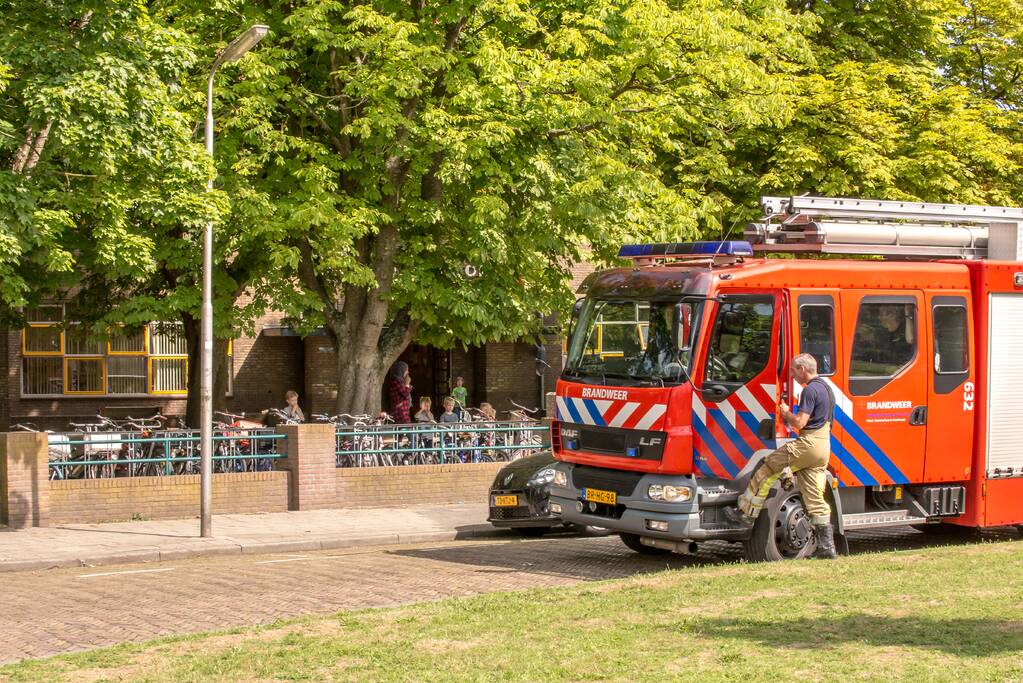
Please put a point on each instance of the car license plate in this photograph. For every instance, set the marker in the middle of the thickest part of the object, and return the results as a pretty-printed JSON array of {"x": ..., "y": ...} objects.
[
  {"x": 599, "y": 496},
  {"x": 506, "y": 501}
]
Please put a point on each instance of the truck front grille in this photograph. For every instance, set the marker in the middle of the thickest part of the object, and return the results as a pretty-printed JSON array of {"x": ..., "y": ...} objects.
[{"x": 621, "y": 482}]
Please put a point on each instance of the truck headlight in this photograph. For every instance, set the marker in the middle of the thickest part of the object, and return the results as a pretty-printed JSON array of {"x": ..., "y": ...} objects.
[
  {"x": 544, "y": 476},
  {"x": 669, "y": 494},
  {"x": 560, "y": 478}
]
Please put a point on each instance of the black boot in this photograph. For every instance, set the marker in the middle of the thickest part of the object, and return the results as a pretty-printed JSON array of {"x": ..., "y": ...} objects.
[
  {"x": 738, "y": 518},
  {"x": 825, "y": 542}
]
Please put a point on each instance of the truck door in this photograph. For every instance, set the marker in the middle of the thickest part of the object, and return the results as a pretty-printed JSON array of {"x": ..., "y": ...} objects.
[
  {"x": 818, "y": 321},
  {"x": 951, "y": 403},
  {"x": 739, "y": 382},
  {"x": 884, "y": 430}
]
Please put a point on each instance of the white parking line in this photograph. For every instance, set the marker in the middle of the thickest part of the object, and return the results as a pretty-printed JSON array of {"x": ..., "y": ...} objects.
[
  {"x": 292, "y": 558},
  {"x": 129, "y": 571}
]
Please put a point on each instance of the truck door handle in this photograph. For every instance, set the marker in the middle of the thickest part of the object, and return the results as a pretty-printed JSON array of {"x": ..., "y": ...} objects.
[{"x": 918, "y": 416}]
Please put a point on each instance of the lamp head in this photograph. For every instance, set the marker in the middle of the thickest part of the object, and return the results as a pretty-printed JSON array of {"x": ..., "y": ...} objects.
[{"x": 243, "y": 43}]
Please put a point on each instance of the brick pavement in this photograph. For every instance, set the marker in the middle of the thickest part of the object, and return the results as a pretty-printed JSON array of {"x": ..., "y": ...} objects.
[
  {"x": 64, "y": 610},
  {"x": 71, "y": 545}
]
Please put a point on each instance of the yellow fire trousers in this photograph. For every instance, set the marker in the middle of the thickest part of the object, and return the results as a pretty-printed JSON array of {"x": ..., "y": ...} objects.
[{"x": 807, "y": 457}]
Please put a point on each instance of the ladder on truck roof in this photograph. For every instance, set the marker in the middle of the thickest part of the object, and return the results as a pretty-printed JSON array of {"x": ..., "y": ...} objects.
[{"x": 828, "y": 225}]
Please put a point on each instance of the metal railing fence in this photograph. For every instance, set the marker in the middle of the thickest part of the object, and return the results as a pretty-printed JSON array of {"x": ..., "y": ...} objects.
[
  {"x": 433, "y": 444},
  {"x": 100, "y": 455}
]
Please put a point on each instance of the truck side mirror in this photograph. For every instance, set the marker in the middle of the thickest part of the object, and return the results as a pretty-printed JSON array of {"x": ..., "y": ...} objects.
[
  {"x": 765, "y": 430},
  {"x": 714, "y": 392}
]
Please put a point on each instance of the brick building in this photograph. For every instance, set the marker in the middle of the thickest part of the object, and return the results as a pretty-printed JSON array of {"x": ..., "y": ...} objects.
[{"x": 49, "y": 376}]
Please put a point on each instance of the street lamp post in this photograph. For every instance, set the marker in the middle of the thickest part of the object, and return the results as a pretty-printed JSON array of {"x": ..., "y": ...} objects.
[{"x": 233, "y": 52}]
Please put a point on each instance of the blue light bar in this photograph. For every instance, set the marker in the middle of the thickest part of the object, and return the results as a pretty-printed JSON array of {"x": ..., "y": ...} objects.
[{"x": 687, "y": 249}]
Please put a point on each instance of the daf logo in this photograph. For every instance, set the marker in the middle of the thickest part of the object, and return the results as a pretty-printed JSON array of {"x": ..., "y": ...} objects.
[
  {"x": 649, "y": 441},
  {"x": 570, "y": 433}
]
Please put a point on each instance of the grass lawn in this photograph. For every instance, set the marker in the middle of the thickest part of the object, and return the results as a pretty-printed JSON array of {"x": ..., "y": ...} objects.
[{"x": 943, "y": 613}]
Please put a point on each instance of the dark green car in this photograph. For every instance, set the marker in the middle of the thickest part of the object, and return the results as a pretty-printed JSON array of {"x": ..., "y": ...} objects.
[{"x": 518, "y": 496}]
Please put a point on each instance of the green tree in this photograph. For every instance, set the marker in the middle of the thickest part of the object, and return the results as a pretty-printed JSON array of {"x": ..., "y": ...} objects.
[
  {"x": 94, "y": 151},
  {"x": 103, "y": 184},
  {"x": 394, "y": 143},
  {"x": 900, "y": 101}
]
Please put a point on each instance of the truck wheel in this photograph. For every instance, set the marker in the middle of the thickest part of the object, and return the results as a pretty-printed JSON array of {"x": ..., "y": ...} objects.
[
  {"x": 783, "y": 530},
  {"x": 633, "y": 542}
]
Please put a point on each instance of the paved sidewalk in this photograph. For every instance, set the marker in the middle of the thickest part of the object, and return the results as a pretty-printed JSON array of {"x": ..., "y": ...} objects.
[{"x": 75, "y": 545}]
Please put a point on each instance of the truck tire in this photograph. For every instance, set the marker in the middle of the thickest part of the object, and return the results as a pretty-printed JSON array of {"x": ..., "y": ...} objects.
[
  {"x": 783, "y": 530},
  {"x": 633, "y": 542}
]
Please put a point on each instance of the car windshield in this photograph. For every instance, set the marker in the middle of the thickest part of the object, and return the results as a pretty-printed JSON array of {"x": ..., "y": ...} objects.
[{"x": 647, "y": 341}]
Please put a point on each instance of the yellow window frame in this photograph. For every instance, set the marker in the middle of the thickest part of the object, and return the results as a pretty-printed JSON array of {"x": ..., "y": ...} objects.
[
  {"x": 143, "y": 352},
  {"x": 149, "y": 377},
  {"x": 51, "y": 354},
  {"x": 103, "y": 375}
]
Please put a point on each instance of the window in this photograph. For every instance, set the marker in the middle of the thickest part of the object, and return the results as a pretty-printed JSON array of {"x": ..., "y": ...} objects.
[
  {"x": 126, "y": 375},
  {"x": 168, "y": 364},
  {"x": 84, "y": 375},
  {"x": 740, "y": 344},
  {"x": 817, "y": 334},
  {"x": 644, "y": 340},
  {"x": 128, "y": 342},
  {"x": 951, "y": 343},
  {"x": 168, "y": 375},
  {"x": 43, "y": 376},
  {"x": 67, "y": 360},
  {"x": 884, "y": 343},
  {"x": 951, "y": 352}
]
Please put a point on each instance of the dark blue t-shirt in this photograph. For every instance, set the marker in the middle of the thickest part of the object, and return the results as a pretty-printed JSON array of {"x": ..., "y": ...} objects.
[{"x": 816, "y": 401}]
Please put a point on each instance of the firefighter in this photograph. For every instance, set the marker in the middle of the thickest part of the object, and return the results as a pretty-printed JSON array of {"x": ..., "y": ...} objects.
[{"x": 806, "y": 456}]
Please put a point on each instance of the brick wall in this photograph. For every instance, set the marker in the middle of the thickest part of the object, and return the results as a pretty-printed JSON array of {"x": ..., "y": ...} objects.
[
  {"x": 360, "y": 487},
  {"x": 5, "y": 380},
  {"x": 24, "y": 495},
  {"x": 320, "y": 375},
  {"x": 106, "y": 500},
  {"x": 264, "y": 368},
  {"x": 510, "y": 375}
]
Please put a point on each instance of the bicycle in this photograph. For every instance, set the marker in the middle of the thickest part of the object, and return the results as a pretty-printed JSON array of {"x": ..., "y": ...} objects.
[{"x": 525, "y": 437}]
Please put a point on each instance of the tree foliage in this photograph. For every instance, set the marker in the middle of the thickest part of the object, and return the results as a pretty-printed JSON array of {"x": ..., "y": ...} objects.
[
  {"x": 368, "y": 152},
  {"x": 395, "y": 142},
  {"x": 95, "y": 152}
]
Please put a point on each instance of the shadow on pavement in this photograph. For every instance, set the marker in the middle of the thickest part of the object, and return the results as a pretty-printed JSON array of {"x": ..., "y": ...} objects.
[
  {"x": 963, "y": 637},
  {"x": 588, "y": 558}
]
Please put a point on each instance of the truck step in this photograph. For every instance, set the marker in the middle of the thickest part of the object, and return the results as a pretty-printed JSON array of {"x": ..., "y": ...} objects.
[{"x": 867, "y": 520}]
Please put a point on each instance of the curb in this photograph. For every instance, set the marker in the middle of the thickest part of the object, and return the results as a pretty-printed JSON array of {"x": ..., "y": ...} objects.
[{"x": 228, "y": 546}]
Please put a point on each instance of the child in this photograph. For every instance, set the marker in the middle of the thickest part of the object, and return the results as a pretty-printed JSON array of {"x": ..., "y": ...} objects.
[
  {"x": 461, "y": 395},
  {"x": 489, "y": 414},
  {"x": 449, "y": 411},
  {"x": 425, "y": 414}
]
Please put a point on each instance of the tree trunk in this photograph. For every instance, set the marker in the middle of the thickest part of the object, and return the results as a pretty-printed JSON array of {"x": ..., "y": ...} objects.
[
  {"x": 360, "y": 382},
  {"x": 193, "y": 335},
  {"x": 362, "y": 369}
]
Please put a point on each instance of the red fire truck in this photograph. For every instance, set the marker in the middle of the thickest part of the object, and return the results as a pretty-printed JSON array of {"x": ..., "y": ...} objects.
[{"x": 675, "y": 367}]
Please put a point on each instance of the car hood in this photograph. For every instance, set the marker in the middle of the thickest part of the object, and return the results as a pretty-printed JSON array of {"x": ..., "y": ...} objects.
[{"x": 516, "y": 474}]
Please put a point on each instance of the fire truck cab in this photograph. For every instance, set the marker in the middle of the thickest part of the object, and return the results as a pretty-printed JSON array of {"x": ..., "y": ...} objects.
[{"x": 676, "y": 365}]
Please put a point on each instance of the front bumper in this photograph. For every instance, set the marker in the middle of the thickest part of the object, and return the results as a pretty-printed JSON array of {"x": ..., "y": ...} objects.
[
  {"x": 698, "y": 519},
  {"x": 532, "y": 511}
]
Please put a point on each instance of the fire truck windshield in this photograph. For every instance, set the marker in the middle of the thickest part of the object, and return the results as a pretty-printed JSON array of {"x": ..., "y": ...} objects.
[{"x": 641, "y": 341}]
